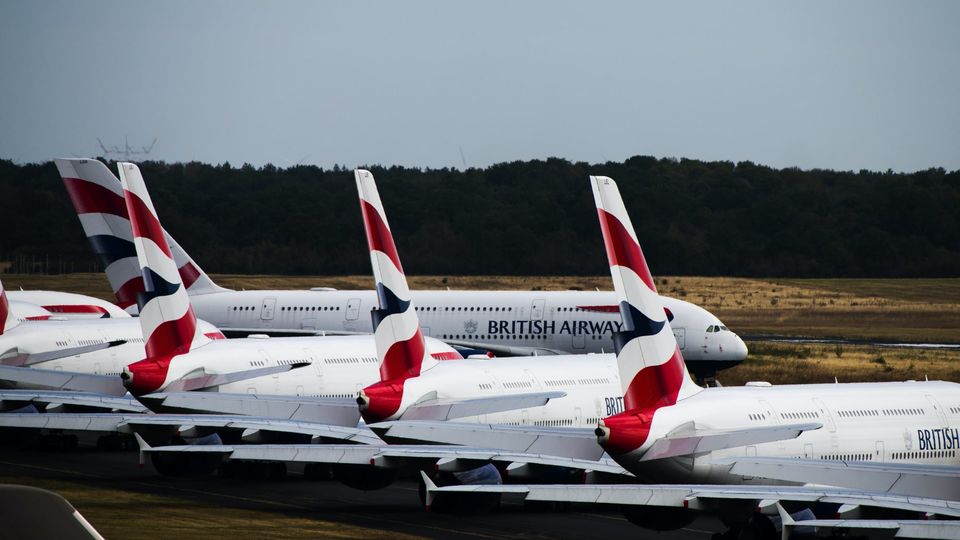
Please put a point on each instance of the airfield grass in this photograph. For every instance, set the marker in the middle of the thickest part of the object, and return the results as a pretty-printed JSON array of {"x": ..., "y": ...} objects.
[
  {"x": 118, "y": 513},
  {"x": 788, "y": 363}
]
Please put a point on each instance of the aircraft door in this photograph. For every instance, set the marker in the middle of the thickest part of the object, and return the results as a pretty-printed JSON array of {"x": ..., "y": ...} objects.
[
  {"x": 425, "y": 330},
  {"x": 579, "y": 341},
  {"x": 880, "y": 456},
  {"x": 942, "y": 418},
  {"x": 681, "y": 335},
  {"x": 577, "y": 416},
  {"x": 808, "y": 451},
  {"x": 269, "y": 305},
  {"x": 352, "y": 312},
  {"x": 536, "y": 310},
  {"x": 825, "y": 415}
]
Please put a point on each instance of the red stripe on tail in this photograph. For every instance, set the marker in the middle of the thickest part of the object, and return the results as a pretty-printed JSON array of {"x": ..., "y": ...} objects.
[
  {"x": 622, "y": 250},
  {"x": 89, "y": 198},
  {"x": 396, "y": 363},
  {"x": 146, "y": 225},
  {"x": 172, "y": 337},
  {"x": 378, "y": 235}
]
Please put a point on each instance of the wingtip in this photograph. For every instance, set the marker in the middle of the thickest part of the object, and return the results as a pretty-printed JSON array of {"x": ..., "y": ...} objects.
[{"x": 429, "y": 491}]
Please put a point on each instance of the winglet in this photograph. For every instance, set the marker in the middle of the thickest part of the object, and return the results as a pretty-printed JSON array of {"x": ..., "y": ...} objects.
[
  {"x": 430, "y": 491},
  {"x": 143, "y": 445},
  {"x": 786, "y": 520}
]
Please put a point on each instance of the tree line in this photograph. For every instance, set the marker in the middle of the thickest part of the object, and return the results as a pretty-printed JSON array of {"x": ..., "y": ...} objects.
[{"x": 526, "y": 217}]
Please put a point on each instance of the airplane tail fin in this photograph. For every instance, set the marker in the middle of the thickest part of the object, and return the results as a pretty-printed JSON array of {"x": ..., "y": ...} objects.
[
  {"x": 97, "y": 197},
  {"x": 652, "y": 371},
  {"x": 166, "y": 317},
  {"x": 401, "y": 348},
  {"x": 7, "y": 319},
  {"x": 400, "y": 342}
]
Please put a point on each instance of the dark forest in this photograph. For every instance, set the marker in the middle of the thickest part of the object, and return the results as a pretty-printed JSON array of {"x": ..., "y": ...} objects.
[{"x": 521, "y": 218}]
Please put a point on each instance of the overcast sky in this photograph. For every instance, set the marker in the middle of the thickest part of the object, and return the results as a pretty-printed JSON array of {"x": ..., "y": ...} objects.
[{"x": 842, "y": 85}]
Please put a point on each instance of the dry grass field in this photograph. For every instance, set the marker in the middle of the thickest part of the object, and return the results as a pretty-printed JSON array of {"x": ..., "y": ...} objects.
[{"x": 908, "y": 310}]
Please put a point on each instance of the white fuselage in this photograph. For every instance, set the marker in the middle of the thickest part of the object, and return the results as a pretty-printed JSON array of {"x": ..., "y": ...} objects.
[
  {"x": 590, "y": 381},
  {"x": 565, "y": 321},
  {"x": 889, "y": 422},
  {"x": 340, "y": 366},
  {"x": 34, "y": 337}
]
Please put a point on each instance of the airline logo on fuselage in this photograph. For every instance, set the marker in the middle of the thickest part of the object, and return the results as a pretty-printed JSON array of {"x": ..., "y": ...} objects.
[
  {"x": 939, "y": 439},
  {"x": 551, "y": 327}
]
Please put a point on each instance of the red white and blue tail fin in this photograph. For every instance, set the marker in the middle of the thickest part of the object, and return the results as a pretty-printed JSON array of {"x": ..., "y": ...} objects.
[
  {"x": 652, "y": 371},
  {"x": 7, "y": 319},
  {"x": 400, "y": 343},
  {"x": 98, "y": 200},
  {"x": 166, "y": 317}
]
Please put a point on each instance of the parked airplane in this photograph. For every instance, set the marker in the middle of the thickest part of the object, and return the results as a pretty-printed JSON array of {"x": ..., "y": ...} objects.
[
  {"x": 90, "y": 346},
  {"x": 503, "y": 322},
  {"x": 871, "y": 439},
  {"x": 179, "y": 357},
  {"x": 400, "y": 351}
]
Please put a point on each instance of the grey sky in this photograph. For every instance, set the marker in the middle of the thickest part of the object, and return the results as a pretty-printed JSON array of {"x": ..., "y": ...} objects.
[{"x": 843, "y": 85}]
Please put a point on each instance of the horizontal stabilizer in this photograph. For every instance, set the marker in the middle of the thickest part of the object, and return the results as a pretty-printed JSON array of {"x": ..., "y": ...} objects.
[
  {"x": 334, "y": 411},
  {"x": 688, "y": 440},
  {"x": 899, "y": 478},
  {"x": 201, "y": 382},
  {"x": 431, "y": 408},
  {"x": 29, "y": 359},
  {"x": 580, "y": 443},
  {"x": 63, "y": 380}
]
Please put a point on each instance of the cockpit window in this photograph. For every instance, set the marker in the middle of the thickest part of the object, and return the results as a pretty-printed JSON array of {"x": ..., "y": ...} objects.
[
  {"x": 724, "y": 328},
  {"x": 711, "y": 328}
]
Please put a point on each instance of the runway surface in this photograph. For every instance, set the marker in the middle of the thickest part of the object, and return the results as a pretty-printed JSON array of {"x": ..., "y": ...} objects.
[{"x": 124, "y": 500}]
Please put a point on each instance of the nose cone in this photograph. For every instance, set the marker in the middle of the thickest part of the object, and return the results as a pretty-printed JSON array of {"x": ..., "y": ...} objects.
[
  {"x": 145, "y": 376},
  {"x": 738, "y": 349}
]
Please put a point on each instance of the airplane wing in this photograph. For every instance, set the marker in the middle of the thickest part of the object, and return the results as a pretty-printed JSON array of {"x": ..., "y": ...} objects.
[
  {"x": 334, "y": 411},
  {"x": 160, "y": 427},
  {"x": 29, "y": 359},
  {"x": 429, "y": 407},
  {"x": 703, "y": 496},
  {"x": 580, "y": 443},
  {"x": 64, "y": 380},
  {"x": 204, "y": 381},
  {"x": 895, "y": 478},
  {"x": 687, "y": 439},
  {"x": 59, "y": 401},
  {"x": 440, "y": 457},
  {"x": 30, "y": 512}
]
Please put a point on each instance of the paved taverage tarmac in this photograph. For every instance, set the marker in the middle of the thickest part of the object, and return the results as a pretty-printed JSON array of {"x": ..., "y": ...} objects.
[{"x": 124, "y": 500}]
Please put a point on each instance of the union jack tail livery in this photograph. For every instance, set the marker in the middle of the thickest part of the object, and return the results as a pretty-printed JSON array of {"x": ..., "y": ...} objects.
[
  {"x": 652, "y": 371},
  {"x": 400, "y": 344},
  {"x": 98, "y": 199},
  {"x": 166, "y": 317}
]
